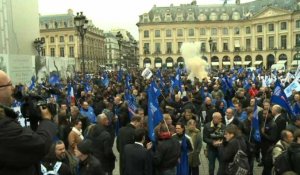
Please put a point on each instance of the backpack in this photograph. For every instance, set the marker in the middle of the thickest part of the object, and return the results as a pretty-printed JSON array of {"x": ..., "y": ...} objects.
[
  {"x": 268, "y": 161},
  {"x": 55, "y": 170},
  {"x": 282, "y": 163},
  {"x": 239, "y": 165}
]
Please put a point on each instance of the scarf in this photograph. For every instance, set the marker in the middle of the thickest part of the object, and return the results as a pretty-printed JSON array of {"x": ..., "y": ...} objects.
[{"x": 78, "y": 132}]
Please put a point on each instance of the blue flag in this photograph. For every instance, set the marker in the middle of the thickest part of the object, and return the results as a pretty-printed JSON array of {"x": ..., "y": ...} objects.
[
  {"x": 255, "y": 125},
  {"x": 183, "y": 166},
  {"x": 54, "y": 79},
  {"x": 160, "y": 78},
  {"x": 177, "y": 81},
  {"x": 32, "y": 83},
  {"x": 105, "y": 80},
  {"x": 132, "y": 105},
  {"x": 87, "y": 87},
  {"x": 120, "y": 76},
  {"x": 127, "y": 83},
  {"x": 279, "y": 97},
  {"x": 259, "y": 71},
  {"x": 154, "y": 113},
  {"x": 241, "y": 70}
]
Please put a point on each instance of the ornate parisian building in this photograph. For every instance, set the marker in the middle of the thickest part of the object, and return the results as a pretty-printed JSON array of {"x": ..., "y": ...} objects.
[
  {"x": 257, "y": 33},
  {"x": 62, "y": 40},
  {"x": 122, "y": 49}
]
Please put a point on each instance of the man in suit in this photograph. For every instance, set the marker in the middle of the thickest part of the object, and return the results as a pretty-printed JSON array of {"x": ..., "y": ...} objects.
[
  {"x": 137, "y": 159},
  {"x": 126, "y": 136},
  {"x": 278, "y": 119}
]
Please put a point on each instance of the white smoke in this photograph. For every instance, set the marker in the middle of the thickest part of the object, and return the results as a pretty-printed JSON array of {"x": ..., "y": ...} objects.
[{"x": 195, "y": 65}]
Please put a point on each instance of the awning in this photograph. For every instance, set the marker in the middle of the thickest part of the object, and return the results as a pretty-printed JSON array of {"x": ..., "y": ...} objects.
[
  {"x": 226, "y": 63},
  {"x": 157, "y": 64},
  {"x": 169, "y": 64},
  {"x": 281, "y": 62},
  {"x": 237, "y": 63},
  {"x": 215, "y": 63},
  {"x": 246, "y": 62},
  {"x": 257, "y": 62},
  {"x": 296, "y": 62},
  {"x": 147, "y": 65}
]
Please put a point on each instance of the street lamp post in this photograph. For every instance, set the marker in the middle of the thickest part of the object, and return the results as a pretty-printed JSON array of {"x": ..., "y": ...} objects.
[
  {"x": 81, "y": 22},
  {"x": 120, "y": 38},
  {"x": 210, "y": 41},
  {"x": 135, "y": 55}
]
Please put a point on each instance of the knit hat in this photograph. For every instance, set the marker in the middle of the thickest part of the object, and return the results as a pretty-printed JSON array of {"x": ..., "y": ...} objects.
[{"x": 85, "y": 147}]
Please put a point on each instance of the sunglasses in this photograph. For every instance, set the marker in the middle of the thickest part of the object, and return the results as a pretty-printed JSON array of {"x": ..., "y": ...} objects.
[{"x": 8, "y": 84}]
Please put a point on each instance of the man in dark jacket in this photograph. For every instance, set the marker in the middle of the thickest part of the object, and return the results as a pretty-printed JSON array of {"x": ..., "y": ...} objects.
[
  {"x": 167, "y": 152},
  {"x": 102, "y": 144},
  {"x": 137, "y": 159},
  {"x": 21, "y": 149},
  {"x": 126, "y": 136},
  {"x": 89, "y": 165},
  {"x": 207, "y": 110},
  {"x": 213, "y": 143},
  {"x": 278, "y": 119}
]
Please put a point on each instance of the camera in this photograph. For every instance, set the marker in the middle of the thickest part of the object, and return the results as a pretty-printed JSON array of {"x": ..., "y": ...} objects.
[
  {"x": 30, "y": 107},
  {"x": 217, "y": 135}
]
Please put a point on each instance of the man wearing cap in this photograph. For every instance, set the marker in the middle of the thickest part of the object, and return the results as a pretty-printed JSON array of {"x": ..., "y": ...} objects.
[{"x": 89, "y": 165}]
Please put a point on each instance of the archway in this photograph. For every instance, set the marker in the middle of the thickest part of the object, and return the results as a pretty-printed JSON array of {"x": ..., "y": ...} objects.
[
  {"x": 169, "y": 62},
  {"x": 147, "y": 62},
  {"x": 258, "y": 61},
  {"x": 226, "y": 62},
  {"x": 204, "y": 58},
  {"x": 296, "y": 60},
  {"x": 237, "y": 61},
  {"x": 270, "y": 60},
  {"x": 282, "y": 59},
  {"x": 248, "y": 60},
  {"x": 180, "y": 61},
  {"x": 215, "y": 62},
  {"x": 157, "y": 62}
]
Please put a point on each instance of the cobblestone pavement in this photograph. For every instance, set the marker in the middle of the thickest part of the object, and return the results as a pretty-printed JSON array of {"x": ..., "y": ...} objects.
[{"x": 203, "y": 166}]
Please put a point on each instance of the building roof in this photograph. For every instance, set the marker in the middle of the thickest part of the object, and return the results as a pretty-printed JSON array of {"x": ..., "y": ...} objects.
[
  {"x": 58, "y": 17},
  {"x": 215, "y": 12}
]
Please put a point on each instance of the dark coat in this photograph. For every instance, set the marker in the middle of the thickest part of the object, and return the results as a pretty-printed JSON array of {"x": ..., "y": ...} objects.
[
  {"x": 123, "y": 114},
  {"x": 102, "y": 148},
  {"x": 228, "y": 151},
  {"x": 21, "y": 149},
  {"x": 167, "y": 154},
  {"x": 294, "y": 150},
  {"x": 137, "y": 160},
  {"x": 126, "y": 136},
  {"x": 208, "y": 129},
  {"x": 209, "y": 112},
  {"x": 281, "y": 125},
  {"x": 90, "y": 166}
]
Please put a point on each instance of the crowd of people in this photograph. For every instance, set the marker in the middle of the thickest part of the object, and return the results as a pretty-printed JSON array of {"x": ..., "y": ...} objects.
[{"x": 219, "y": 110}]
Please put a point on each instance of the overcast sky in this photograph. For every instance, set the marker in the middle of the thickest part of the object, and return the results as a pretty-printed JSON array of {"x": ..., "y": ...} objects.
[{"x": 111, "y": 14}]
